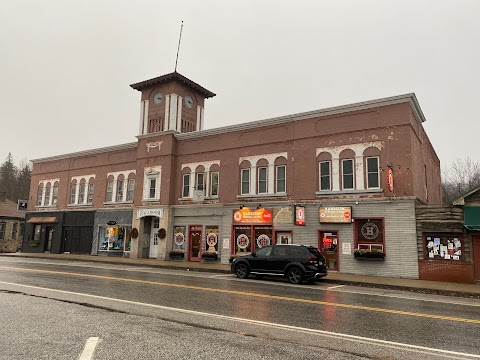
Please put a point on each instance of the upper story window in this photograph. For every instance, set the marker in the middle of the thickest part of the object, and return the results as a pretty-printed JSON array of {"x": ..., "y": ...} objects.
[
  {"x": 109, "y": 196},
  {"x": 325, "y": 182},
  {"x": 214, "y": 183},
  {"x": 120, "y": 189},
  {"x": 47, "y": 194},
  {"x": 186, "y": 186},
  {"x": 200, "y": 179},
  {"x": 245, "y": 181},
  {"x": 348, "y": 182},
  {"x": 263, "y": 175},
  {"x": 262, "y": 180},
  {"x": 373, "y": 173},
  {"x": 281, "y": 185},
  {"x": 151, "y": 183},
  {"x": 130, "y": 189},
  {"x": 81, "y": 190},
  {"x": 117, "y": 190}
]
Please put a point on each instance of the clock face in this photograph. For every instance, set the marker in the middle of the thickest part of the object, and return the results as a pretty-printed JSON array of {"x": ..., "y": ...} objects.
[
  {"x": 157, "y": 98},
  {"x": 188, "y": 101}
]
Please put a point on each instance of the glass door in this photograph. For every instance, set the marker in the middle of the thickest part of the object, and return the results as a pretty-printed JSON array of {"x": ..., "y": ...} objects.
[
  {"x": 195, "y": 242},
  {"x": 328, "y": 246}
]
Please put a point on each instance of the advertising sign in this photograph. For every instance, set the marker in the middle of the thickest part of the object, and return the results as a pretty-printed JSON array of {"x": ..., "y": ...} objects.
[
  {"x": 336, "y": 214},
  {"x": 252, "y": 216},
  {"x": 300, "y": 215}
]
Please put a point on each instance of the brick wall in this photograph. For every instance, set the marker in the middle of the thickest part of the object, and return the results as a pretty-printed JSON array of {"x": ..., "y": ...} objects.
[{"x": 441, "y": 270}]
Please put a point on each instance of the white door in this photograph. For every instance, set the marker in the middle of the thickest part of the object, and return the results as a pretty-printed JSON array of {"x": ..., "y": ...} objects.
[{"x": 154, "y": 238}]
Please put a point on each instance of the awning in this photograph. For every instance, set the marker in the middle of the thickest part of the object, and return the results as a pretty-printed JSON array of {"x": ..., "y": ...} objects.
[
  {"x": 471, "y": 218},
  {"x": 42, "y": 220}
]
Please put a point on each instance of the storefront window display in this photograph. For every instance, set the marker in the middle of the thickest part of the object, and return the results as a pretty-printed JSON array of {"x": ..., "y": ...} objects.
[
  {"x": 179, "y": 237},
  {"x": 251, "y": 238},
  {"x": 115, "y": 238},
  {"x": 211, "y": 238},
  {"x": 443, "y": 247}
]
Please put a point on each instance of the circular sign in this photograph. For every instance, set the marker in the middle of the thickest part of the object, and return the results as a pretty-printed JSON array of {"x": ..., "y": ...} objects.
[
  {"x": 267, "y": 215},
  {"x": 369, "y": 231},
  {"x": 322, "y": 215},
  {"x": 237, "y": 216},
  {"x": 179, "y": 239},
  {"x": 263, "y": 240},
  {"x": 212, "y": 239},
  {"x": 347, "y": 214},
  {"x": 111, "y": 222},
  {"x": 242, "y": 241}
]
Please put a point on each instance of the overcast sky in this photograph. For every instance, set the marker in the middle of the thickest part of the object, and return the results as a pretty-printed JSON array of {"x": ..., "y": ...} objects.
[{"x": 66, "y": 66}]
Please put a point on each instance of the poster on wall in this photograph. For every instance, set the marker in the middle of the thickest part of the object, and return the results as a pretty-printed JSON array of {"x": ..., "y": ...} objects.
[
  {"x": 299, "y": 215},
  {"x": 179, "y": 237},
  {"x": 347, "y": 249},
  {"x": 211, "y": 238}
]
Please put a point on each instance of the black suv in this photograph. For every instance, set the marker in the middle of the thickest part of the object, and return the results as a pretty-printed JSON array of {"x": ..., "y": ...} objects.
[{"x": 296, "y": 262}]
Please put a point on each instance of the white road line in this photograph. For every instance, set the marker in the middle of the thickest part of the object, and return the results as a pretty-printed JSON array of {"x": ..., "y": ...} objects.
[
  {"x": 89, "y": 348},
  {"x": 229, "y": 277},
  {"x": 361, "y": 339}
]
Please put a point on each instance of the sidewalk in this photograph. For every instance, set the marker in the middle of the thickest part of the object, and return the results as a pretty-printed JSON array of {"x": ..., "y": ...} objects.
[{"x": 434, "y": 287}]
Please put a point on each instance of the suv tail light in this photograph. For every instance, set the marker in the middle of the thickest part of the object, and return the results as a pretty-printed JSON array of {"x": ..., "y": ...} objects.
[{"x": 312, "y": 260}]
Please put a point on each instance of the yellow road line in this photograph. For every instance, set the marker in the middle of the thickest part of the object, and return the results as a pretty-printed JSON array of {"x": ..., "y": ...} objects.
[{"x": 250, "y": 294}]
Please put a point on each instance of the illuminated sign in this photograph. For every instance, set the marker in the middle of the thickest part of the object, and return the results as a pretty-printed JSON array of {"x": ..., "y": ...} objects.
[
  {"x": 299, "y": 215},
  {"x": 336, "y": 214},
  {"x": 390, "y": 179},
  {"x": 252, "y": 216}
]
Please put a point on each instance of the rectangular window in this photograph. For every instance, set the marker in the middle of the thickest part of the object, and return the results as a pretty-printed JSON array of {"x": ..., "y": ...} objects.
[
  {"x": 281, "y": 178},
  {"x": 38, "y": 231},
  {"x": 200, "y": 178},
  {"x": 369, "y": 235},
  {"x": 73, "y": 191},
  {"x": 214, "y": 184},
  {"x": 120, "y": 190},
  {"x": 347, "y": 172},
  {"x": 90, "y": 193},
  {"x": 245, "y": 181},
  {"x": 2, "y": 230},
  {"x": 262, "y": 180},
  {"x": 152, "y": 189},
  {"x": 186, "y": 186},
  {"x": 54, "y": 195},
  {"x": 130, "y": 189},
  {"x": 373, "y": 173},
  {"x": 14, "y": 231},
  {"x": 81, "y": 194},
  {"x": 40, "y": 195},
  {"x": 47, "y": 195},
  {"x": 444, "y": 246},
  {"x": 325, "y": 183},
  {"x": 109, "y": 191}
]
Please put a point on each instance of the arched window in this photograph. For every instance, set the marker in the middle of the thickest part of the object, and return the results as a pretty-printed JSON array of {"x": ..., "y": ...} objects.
[
  {"x": 120, "y": 188},
  {"x": 91, "y": 186},
  {"x": 40, "y": 194},
  {"x": 55, "y": 193},
  {"x": 48, "y": 191},
  {"x": 81, "y": 191},
  {"x": 130, "y": 186},
  {"x": 109, "y": 197},
  {"x": 73, "y": 191}
]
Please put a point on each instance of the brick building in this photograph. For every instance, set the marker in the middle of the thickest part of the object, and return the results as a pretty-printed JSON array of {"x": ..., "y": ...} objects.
[{"x": 346, "y": 179}]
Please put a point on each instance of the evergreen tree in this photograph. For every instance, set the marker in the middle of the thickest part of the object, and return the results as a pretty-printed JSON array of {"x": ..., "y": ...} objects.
[
  {"x": 8, "y": 178},
  {"x": 23, "y": 183}
]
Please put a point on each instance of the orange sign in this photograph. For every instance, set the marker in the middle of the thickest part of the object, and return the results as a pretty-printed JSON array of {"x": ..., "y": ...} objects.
[
  {"x": 390, "y": 179},
  {"x": 251, "y": 216}
]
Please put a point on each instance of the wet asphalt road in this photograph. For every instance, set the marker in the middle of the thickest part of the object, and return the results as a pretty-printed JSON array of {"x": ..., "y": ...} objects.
[{"x": 321, "y": 320}]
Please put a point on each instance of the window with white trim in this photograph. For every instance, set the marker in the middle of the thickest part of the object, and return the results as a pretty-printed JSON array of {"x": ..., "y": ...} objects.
[
  {"x": 186, "y": 186},
  {"x": 73, "y": 192},
  {"x": 373, "y": 173},
  {"x": 348, "y": 177},
  {"x": 130, "y": 189},
  {"x": 81, "y": 193},
  {"x": 120, "y": 184},
  {"x": 40, "y": 195},
  {"x": 48, "y": 190},
  {"x": 200, "y": 178},
  {"x": 262, "y": 180},
  {"x": 109, "y": 196},
  {"x": 281, "y": 179},
  {"x": 214, "y": 183},
  {"x": 55, "y": 194},
  {"x": 152, "y": 188},
  {"x": 325, "y": 170},
  {"x": 91, "y": 187},
  {"x": 245, "y": 182}
]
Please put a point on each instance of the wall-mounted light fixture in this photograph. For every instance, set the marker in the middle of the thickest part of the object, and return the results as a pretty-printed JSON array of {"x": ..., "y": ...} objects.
[
  {"x": 241, "y": 207},
  {"x": 259, "y": 206}
]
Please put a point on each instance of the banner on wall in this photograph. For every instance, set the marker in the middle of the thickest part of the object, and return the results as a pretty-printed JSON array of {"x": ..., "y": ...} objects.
[
  {"x": 336, "y": 214},
  {"x": 252, "y": 216}
]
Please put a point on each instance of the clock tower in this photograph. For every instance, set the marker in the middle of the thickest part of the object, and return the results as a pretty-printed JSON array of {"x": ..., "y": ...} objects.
[{"x": 171, "y": 102}]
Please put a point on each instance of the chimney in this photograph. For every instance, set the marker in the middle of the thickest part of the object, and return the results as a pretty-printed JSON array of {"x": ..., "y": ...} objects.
[{"x": 3, "y": 196}]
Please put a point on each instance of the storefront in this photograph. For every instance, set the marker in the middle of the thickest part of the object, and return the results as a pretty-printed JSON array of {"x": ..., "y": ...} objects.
[
  {"x": 112, "y": 233},
  {"x": 252, "y": 229},
  {"x": 43, "y": 232}
]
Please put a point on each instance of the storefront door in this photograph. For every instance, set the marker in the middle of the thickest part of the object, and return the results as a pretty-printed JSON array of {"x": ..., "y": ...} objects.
[
  {"x": 328, "y": 246},
  {"x": 476, "y": 257},
  {"x": 154, "y": 238},
  {"x": 195, "y": 242}
]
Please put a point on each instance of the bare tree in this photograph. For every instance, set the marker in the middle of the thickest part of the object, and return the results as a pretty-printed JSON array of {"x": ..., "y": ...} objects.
[{"x": 461, "y": 176}]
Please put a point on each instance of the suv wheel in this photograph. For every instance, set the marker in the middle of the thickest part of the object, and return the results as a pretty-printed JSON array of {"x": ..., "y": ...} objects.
[
  {"x": 295, "y": 275},
  {"x": 241, "y": 270}
]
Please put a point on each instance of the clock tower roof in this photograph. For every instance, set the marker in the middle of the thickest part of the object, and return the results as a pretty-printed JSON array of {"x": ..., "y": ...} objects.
[{"x": 174, "y": 76}]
